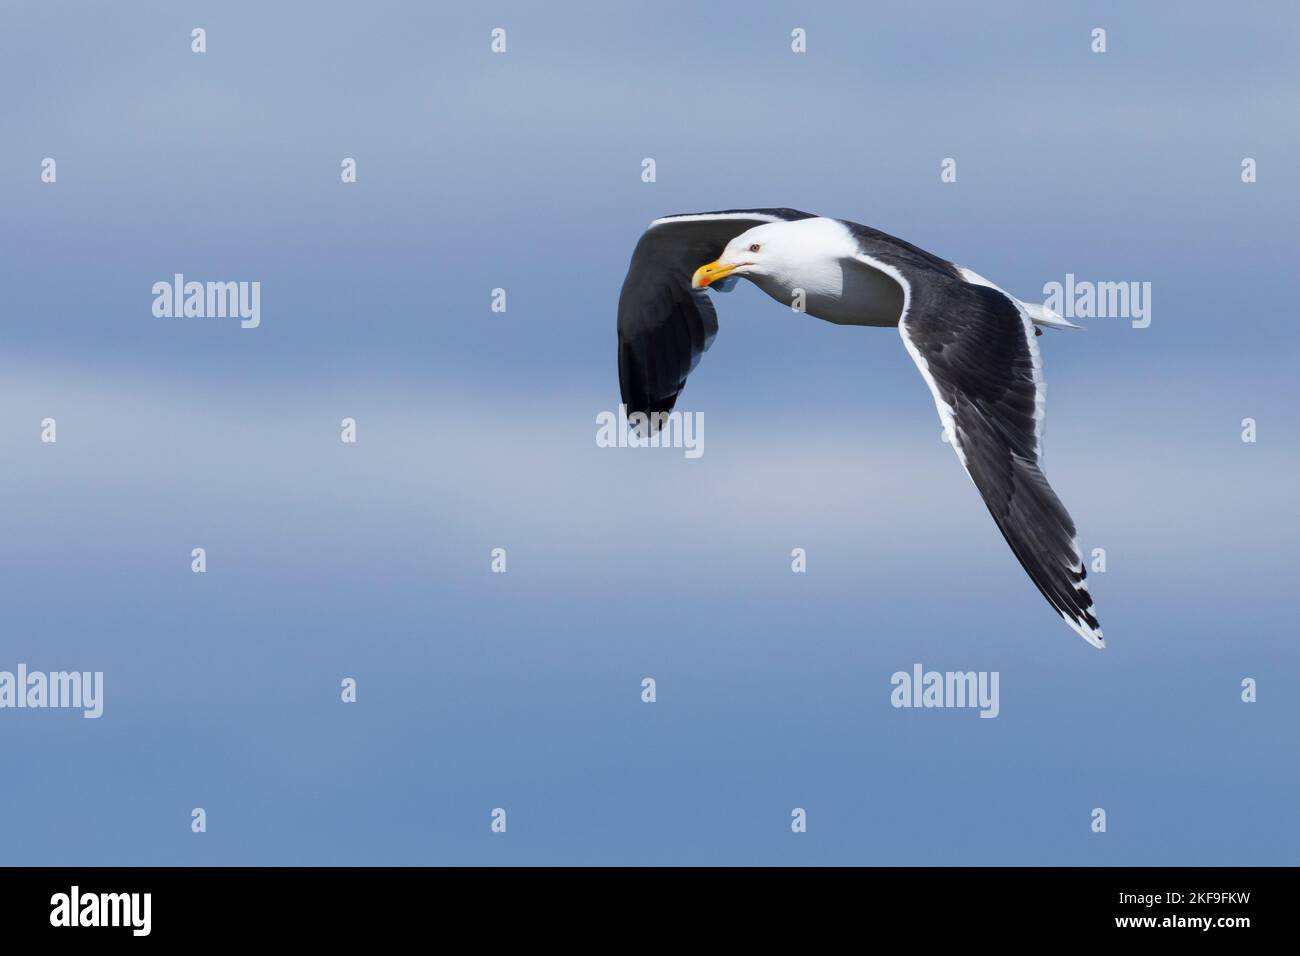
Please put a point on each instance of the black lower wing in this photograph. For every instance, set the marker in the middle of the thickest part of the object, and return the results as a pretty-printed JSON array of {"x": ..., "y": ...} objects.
[{"x": 664, "y": 325}]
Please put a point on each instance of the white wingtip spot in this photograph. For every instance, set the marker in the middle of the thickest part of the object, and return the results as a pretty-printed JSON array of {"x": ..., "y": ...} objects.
[{"x": 1091, "y": 635}]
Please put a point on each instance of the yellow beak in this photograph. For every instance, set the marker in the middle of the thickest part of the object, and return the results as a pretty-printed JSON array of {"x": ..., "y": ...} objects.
[{"x": 711, "y": 272}]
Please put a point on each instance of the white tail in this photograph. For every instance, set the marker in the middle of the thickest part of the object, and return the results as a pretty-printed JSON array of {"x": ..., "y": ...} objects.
[{"x": 1041, "y": 315}]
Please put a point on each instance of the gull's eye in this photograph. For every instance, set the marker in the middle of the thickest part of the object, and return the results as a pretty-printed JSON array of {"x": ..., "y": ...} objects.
[{"x": 754, "y": 247}]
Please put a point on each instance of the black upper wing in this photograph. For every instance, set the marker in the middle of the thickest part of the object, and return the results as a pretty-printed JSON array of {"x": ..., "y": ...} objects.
[
  {"x": 664, "y": 325},
  {"x": 976, "y": 350}
]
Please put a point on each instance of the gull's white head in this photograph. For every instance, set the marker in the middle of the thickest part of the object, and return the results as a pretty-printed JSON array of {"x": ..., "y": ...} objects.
[{"x": 803, "y": 253}]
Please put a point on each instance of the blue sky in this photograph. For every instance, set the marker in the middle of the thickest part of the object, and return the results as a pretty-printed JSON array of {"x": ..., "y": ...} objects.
[{"x": 476, "y": 431}]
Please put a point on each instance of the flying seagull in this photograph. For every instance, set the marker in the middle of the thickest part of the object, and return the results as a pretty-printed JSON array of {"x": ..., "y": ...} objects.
[{"x": 973, "y": 343}]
